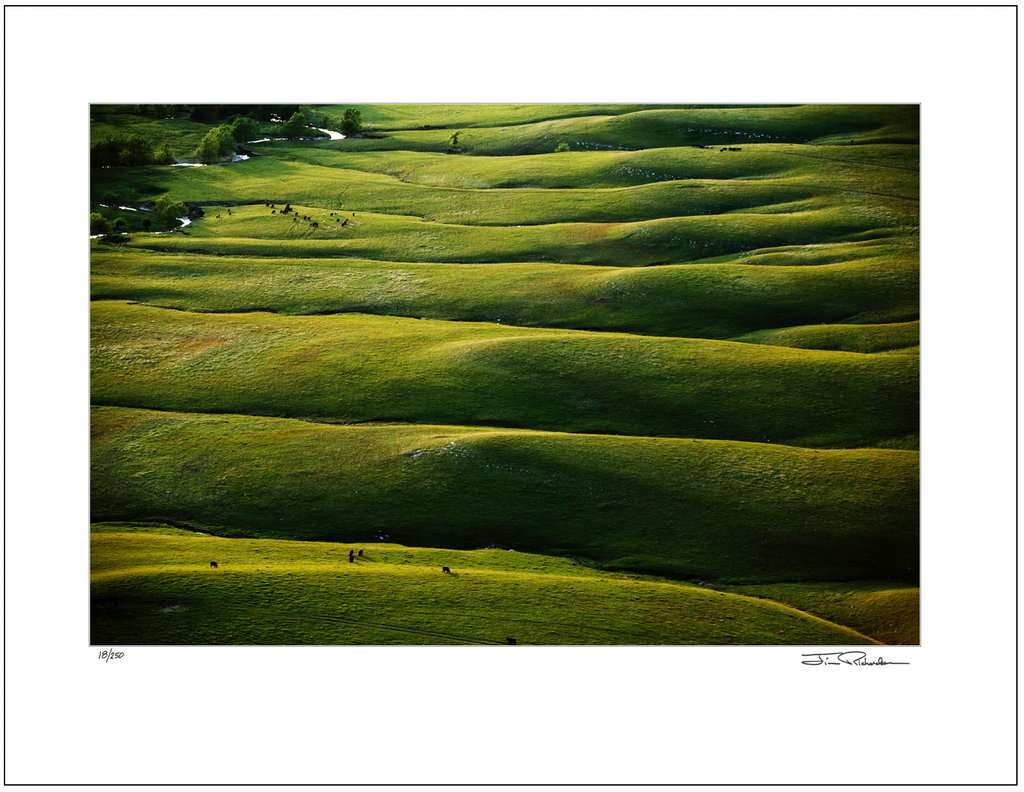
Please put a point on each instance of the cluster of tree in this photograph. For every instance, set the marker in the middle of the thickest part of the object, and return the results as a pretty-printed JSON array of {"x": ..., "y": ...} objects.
[
  {"x": 351, "y": 122},
  {"x": 296, "y": 126},
  {"x": 212, "y": 113},
  {"x": 121, "y": 150},
  {"x": 158, "y": 110},
  {"x": 221, "y": 141},
  {"x": 128, "y": 149},
  {"x": 165, "y": 213}
]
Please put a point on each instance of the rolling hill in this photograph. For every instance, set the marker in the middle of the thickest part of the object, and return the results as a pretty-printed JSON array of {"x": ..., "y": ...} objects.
[{"x": 673, "y": 364}]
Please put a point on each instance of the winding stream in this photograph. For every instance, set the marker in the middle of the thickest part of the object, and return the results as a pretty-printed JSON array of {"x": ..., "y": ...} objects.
[{"x": 331, "y": 135}]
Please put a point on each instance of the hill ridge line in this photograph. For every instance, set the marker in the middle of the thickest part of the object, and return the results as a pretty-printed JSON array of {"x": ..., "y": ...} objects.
[{"x": 491, "y": 430}]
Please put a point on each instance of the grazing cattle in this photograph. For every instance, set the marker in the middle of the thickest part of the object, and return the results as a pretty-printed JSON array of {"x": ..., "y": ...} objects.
[
  {"x": 314, "y": 225},
  {"x": 512, "y": 641},
  {"x": 213, "y": 565},
  {"x": 273, "y": 211},
  {"x": 345, "y": 223},
  {"x": 446, "y": 570},
  {"x": 360, "y": 553},
  {"x": 218, "y": 216}
]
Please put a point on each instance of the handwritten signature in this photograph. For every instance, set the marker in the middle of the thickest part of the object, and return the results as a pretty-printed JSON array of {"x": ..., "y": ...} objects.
[{"x": 846, "y": 658}]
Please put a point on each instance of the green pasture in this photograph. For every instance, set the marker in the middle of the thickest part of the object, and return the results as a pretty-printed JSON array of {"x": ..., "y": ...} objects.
[
  {"x": 830, "y": 284},
  {"x": 417, "y": 116},
  {"x": 154, "y": 585},
  {"x": 358, "y": 367},
  {"x": 885, "y": 171},
  {"x": 598, "y": 188},
  {"x": 661, "y": 128},
  {"x": 684, "y": 508},
  {"x": 385, "y": 237},
  {"x": 868, "y": 338},
  {"x": 658, "y": 387}
]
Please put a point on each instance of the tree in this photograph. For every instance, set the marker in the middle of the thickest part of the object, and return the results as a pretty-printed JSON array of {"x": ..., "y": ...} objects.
[
  {"x": 295, "y": 126},
  {"x": 217, "y": 144},
  {"x": 352, "y": 123},
  {"x": 245, "y": 128},
  {"x": 453, "y": 139},
  {"x": 120, "y": 224},
  {"x": 167, "y": 209},
  {"x": 98, "y": 224},
  {"x": 163, "y": 155},
  {"x": 562, "y": 146}
]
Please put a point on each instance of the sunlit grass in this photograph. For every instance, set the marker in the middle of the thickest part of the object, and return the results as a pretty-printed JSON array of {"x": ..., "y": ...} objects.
[
  {"x": 157, "y": 587},
  {"x": 356, "y": 367}
]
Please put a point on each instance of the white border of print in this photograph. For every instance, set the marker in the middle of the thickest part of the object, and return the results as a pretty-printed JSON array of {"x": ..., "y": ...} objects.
[{"x": 702, "y": 715}]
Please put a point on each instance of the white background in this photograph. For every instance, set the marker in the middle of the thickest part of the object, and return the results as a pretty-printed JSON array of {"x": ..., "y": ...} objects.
[{"x": 731, "y": 715}]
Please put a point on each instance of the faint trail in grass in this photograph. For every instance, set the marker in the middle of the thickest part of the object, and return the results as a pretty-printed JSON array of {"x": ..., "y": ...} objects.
[
  {"x": 854, "y": 162},
  {"x": 865, "y": 192},
  {"x": 811, "y": 616}
]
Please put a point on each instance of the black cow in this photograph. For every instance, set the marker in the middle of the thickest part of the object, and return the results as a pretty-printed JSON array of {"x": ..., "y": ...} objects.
[
  {"x": 213, "y": 565},
  {"x": 314, "y": 225},
  {"x": 512, "y": 641},
  {"x": 360, "y": 553},
  {"x": 446, "y": 570}
]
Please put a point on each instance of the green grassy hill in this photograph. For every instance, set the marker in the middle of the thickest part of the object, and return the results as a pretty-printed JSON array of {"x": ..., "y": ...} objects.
[
  {"x": 688, "y": 508},
  {"x": 154, "y": 585},
  {"x": 853, "y": 283},
  {"x": 647, "y": 354},
  {"x": 358, "y": 368}
]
